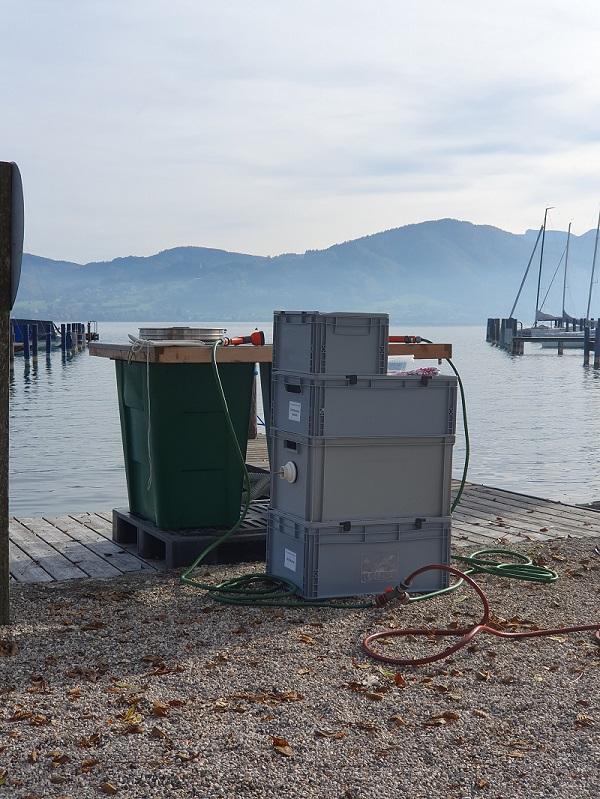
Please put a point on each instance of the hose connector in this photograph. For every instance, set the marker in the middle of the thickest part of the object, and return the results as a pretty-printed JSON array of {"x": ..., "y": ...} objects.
[{"x": 398, "y": 592}]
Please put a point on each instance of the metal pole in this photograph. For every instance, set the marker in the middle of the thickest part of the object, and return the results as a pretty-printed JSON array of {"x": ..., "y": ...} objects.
[
  {"x": 512, "y": 310},
  {"x": 587, "y": 313},
  {"x": 537, "y": 299},
  {"x": 564, "y": 313},
  {"x": 5, "y": 293}
]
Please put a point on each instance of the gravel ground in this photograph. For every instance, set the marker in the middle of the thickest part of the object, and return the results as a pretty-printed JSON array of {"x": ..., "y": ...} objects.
[{"x": 140, "y": 687}]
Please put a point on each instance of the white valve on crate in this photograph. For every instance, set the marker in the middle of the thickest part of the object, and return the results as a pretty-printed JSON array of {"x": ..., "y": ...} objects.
[{"x": 288, "y": 472}]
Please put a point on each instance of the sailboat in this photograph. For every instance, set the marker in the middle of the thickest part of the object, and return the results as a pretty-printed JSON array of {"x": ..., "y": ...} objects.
[{"x": 558, "y": 325}]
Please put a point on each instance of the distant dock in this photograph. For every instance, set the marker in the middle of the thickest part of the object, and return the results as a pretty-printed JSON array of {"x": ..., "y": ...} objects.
[{"x": 581, "y": 333}]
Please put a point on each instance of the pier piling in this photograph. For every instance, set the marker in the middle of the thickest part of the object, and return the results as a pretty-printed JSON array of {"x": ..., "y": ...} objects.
[
  {"x": 26, "y": 340},
  {"x": 48, "y": 343},
  {"x": 34, "y": 341},
  {"x": 597, "y": 348}
]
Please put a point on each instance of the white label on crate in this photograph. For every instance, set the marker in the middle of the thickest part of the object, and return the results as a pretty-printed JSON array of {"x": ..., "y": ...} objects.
[
  {"x": 295, "y": 409},
  {"x": 379, "y": 567},
  {"x": 289, "y": 560}
]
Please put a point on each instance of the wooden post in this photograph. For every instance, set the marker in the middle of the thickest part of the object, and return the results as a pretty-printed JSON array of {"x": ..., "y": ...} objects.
[
  {"x": 497, "y": 331},
  {"x": 561, "y": 347},
  {"x": 597, "y": 348},
  {"x": 63, "y": 338},
  {"x": 586, "y": 346},
  {"x": 5, "y": 303},
  {"x": 48, "y": 343},
  {"x": 34, "y": 341},
  {"x": 89, "y": 332},
  {"x": 69, "y": 337},
  {"x": 26, "y": 340}
]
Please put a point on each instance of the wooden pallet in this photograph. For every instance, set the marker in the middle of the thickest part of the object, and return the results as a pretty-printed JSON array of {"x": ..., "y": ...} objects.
[{"x": 177, "y": 549}]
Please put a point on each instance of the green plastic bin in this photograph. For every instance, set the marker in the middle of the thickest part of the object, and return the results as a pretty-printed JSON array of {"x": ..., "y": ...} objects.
[{"x": 172, "y": 423}]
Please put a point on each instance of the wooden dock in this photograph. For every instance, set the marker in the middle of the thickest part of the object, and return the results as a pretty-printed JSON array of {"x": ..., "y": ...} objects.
[{"x": 79, "y": 546}]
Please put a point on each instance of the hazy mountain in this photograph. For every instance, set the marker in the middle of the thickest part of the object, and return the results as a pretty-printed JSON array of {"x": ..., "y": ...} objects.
[{"x": 440, "y": 271}]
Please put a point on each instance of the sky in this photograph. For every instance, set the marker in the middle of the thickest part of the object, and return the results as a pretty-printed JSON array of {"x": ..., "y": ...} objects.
[{"x": 269, "y": 126}]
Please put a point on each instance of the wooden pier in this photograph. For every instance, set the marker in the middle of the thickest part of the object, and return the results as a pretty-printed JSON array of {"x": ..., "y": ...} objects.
[
  {"x": 506, "y": 334},
  {"x": 79, "y": 546}
]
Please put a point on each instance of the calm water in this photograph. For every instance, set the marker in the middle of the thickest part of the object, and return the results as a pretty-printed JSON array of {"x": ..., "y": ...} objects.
[{"x": 534, "y": 422}]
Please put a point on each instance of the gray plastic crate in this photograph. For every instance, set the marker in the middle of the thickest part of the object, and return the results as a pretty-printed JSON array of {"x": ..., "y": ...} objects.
[
  {"x": 327, "y": 560},
  {"x": 364, "y": 406},
  {"x": 362, "y": 478},
  {"x": 309, "y": 342}
]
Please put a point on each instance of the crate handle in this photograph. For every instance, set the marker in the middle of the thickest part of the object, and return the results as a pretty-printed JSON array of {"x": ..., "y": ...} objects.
[
  {"x": 290, "y": 445},
  {"x": 293, "y": 389}
]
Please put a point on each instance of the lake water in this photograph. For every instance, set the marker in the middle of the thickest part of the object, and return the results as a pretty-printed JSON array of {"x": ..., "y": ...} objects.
[{"x": 534, "y": 423}]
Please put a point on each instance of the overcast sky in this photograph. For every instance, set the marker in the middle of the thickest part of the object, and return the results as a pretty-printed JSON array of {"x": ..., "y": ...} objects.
[{"x": 268, "y": 126}]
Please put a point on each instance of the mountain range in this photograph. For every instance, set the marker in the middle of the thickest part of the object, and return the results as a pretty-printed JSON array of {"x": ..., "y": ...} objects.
[{"x": 445, "y": 271}]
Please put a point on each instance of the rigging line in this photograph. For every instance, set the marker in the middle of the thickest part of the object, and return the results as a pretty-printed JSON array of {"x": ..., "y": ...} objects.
[
  {"x": 564, "y": 313},
  {"x": 553, "y": 277},
  {"x": 510, "y": 316},
  {"x": 537, "y": 298},
  {"x": 587, "y": 313}
]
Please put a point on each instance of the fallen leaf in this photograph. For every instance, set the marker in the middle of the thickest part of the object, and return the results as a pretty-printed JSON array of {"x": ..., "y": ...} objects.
[
  {"x": 160, "y": 709},
  {"x": 303, "y": 671},
  {"x": 483, "y": 675},
  {"x": 88, "y": 764},
  {"x": 38, "y": 686},
  {"x": 398, "y": 721},
  {"x": 365, "y": 725},
  {"x": 399, "y": 680},
  {"x": 156, "y": 732},
  {"x": 131, "y": 715},
  {"x": 39, "y": 720},
  {"x": 335, "y": 734},
  {"x": 282, "y": 746},
  {"x": 177, "y": 702},
  {"x": 447, "y": 717},
  {"x": 307, "y": 639},
  {"x": 96, "y": 624},
  {"x": 482, "y": 783},
  {"x": 481, "y": 714},
  {"x": 8, "y": 648},
  {"x": 33, "y": 756},
  {"x": 133, "y": 729},
  {"x": 91, "y": 740},
  {"x": 516, "y": 753},
  {"x": 584, "y": 721},
  {"x": 108, "y": 788},
  {"x": 74, "y": 693},
  {"x": 20, "y": 714}
]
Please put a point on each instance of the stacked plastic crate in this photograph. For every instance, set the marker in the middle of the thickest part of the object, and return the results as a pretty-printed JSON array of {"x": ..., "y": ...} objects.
[{"x": 361, "y": 460}]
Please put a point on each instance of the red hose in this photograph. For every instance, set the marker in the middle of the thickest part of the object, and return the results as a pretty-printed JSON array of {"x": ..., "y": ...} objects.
[{"x": 466, "y": 634}]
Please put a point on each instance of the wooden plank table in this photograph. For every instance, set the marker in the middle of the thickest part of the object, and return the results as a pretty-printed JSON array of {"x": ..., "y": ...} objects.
[{"x": 242, "y": 354}]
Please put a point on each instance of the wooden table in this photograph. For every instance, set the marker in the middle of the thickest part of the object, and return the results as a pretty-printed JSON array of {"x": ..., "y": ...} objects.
[{"x": 241, "y": 354}]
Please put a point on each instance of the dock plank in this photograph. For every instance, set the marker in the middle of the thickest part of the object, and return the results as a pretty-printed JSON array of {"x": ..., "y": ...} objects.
[
  {"x": 46, "y": 556},
  {"x": 103, "y": 528},
  {"x": 114, "y": 555},
  {"x": 23, "y": 569},
  {"x": 89, "y": 562}
]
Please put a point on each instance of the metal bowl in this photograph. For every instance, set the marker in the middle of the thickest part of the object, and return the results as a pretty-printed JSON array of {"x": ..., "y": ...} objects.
[{"x": 182, "y": 333}]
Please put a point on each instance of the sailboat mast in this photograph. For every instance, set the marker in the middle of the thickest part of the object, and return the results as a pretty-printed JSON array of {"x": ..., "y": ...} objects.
[
  {"x": 537, "y": 298},
  {"x": 587, "y": 313},
  {"x": 510, "y": 316},
  {"x": 564, "y": 314}
]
